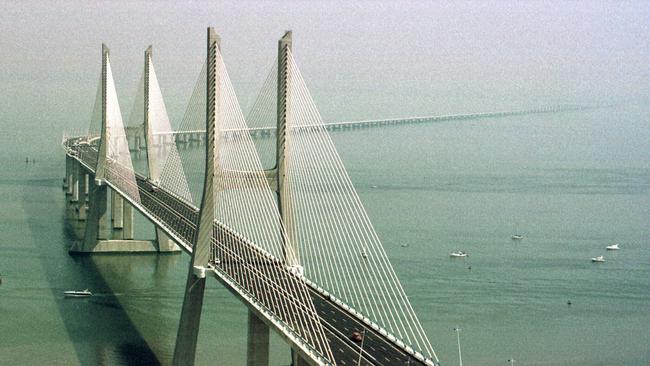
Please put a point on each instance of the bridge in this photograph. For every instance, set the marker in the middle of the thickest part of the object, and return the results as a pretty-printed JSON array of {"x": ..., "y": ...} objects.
[
  {"x": 135, "y": 133},
  {"x": 291, "y": 240}
]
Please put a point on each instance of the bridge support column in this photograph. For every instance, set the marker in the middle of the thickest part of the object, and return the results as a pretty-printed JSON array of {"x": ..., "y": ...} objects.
[
  {"x": 164, "y": 243},
  {"x": 117, "y": 208},
  {"x": 98, "y": 229},
  {"x": 72, "y": 193},
  {"x": 82, "y": 206},
  {"x": 258, "y": 341},
  {"x": 69, "y": 171},
  {"x": 127, "y": 228},
  {"x": 74, "y": 182},
  {"x": 83, "y": 211}
]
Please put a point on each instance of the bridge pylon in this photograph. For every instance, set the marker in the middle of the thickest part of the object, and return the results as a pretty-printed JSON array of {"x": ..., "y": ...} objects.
[
  {"x": 277, "y": 176},
  {"x": 163, "y": 242},
  {"x": 291, "y": 255},
  {"x": 283, "y": 143},
  {"x": 188, "y": 327},
  {"x": 98, "y": 235},
  {"x": 278, "y": 180}
]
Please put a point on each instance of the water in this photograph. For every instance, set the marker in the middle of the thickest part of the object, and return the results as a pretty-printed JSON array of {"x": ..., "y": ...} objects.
[
  {"x": 439, "y": 187},
  {"x": 465, "y": 185},
  {"x": 573, "y": 182}
]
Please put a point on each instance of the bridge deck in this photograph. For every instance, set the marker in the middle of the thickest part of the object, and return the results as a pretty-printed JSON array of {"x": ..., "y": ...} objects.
[{"x": 240, "y": 261}]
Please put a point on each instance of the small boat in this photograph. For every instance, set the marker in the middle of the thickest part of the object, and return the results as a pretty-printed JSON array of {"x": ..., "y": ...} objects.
[
  {"x": 458, "y": 254},
  {"x": 613, "y": 247},
  {"x": 517, "y": 235},
  {"x": 75, "y": 293},
  {"x": 598, "y": 259}
]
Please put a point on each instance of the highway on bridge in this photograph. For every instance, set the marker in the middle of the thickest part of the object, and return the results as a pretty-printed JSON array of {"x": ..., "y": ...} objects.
[{"x": 239, "y": 259}]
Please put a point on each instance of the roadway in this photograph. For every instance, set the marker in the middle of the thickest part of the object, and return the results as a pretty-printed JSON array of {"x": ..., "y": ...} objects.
[{"x": 261, "y": 275}]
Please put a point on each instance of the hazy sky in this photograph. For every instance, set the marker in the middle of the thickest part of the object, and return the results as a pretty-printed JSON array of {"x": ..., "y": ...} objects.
[{"x": 360, "y": 59}]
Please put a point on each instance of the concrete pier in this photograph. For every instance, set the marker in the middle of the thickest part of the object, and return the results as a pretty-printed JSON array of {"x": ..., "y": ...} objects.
[
  {"x": 67, "y": 172},
  {"x": 69, "y": 167},
  {"x": 104, "y": 234},
  {"x": 127, "y": 216},
  {"x": 74, "y": 182},
  {"x": 83, "y": 200},
  {"x": 117, "y": 208}
]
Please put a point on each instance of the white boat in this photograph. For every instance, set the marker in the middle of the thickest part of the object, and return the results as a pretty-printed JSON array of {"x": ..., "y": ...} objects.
[
  {"x": 75, "y": 293},
  {"x": 517, "y": 234},
  {"x": 600, "y": 258},
  {"x": 458, "y": 254},
  {"x": 613, "y": 247}
]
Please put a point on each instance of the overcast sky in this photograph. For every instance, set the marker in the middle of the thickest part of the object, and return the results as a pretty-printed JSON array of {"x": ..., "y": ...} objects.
[{"x": 360, "y": 59}]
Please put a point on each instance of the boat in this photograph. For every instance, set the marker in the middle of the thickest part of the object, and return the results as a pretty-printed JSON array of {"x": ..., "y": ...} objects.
[
  {"x": 517, "y": 235},
  {"x": 75, "y": 293},
  {"x": 598, "y": 259},
  {"x": 458, "y": 254},
  {"x": 613, "y": 247}
]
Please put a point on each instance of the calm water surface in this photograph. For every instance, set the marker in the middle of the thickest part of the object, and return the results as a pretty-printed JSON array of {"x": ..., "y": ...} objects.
[{"x": 569, "y": 181}]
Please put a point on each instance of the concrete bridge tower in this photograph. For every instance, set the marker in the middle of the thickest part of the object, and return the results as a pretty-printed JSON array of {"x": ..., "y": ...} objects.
[
  {"x": 163, "y": 243},
  {"x": 188, "y": 327},
  {"x": 104, "y": 233}
]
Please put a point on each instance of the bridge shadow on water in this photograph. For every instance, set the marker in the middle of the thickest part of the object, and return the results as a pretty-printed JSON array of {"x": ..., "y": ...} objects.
[{"x": 109, "y": 328}]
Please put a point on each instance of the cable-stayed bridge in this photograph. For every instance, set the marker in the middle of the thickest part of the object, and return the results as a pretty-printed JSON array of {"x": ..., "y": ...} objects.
[
  {"x": 280, "y": 225},
  {"x": 135, "y": 133}
]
